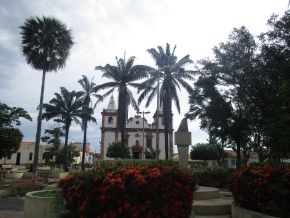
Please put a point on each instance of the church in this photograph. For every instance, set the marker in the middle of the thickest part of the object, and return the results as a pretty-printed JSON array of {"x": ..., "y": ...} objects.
[{"x": 141, "y": 143}]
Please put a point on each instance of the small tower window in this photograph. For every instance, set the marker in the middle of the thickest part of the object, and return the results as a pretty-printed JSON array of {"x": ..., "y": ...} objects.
[
  {"x": 110, "y": 120},
  {"x": 137, "y": 122}
]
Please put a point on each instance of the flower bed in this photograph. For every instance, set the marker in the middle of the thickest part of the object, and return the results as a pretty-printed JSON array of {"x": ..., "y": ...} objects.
[
  {"x": 146, "y": 191},
  {"x": 216, "y": 177},
  {"x": 263, "y": 188}
]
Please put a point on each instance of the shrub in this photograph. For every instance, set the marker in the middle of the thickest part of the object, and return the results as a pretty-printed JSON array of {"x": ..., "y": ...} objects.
[
  {"x": 204, "y": 152},
  {"x": 116, "y": 150},
  {"x": 216, "y": 177},
  {"x": 263, "y": 188},
  {"x": 146, "y": 191}
]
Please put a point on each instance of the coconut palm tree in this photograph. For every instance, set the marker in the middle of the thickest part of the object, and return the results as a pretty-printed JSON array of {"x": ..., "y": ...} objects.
[
  {"x": 46, "y": 43},
  {"x": 88, "y": 93},
  {"x": 171, "y": 75},
  {"x": 66, "y": 107},
  {"x": 123, "y": 75}
]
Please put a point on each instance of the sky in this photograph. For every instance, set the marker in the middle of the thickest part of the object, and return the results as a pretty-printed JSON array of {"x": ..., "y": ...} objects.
[{"x": 104, "y": 29}]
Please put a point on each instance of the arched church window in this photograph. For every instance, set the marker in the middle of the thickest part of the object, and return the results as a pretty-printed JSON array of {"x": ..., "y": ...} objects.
[{"x": 110, "y": 120}]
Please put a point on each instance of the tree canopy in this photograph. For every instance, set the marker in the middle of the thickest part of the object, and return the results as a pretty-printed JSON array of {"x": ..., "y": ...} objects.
[
  {"x": 202, "y": 151},
  {"x": 242, "y": 94},
  {"x": 10, "y": 136},
  {"x": 116, "y": 150}
]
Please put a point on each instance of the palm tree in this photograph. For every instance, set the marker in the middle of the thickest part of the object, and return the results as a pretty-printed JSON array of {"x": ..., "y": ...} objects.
[
  {"x": 65, "y": 107},
  {"x": 124, "y": 74},
  {"x": 171, "y": 75},
  {"x": 45, "y": 44},
  {"x": 87, "y": 108}
]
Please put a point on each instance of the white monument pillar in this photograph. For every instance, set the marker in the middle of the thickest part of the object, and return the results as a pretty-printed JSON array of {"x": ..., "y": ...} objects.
[{"x": 183, "y": 140}]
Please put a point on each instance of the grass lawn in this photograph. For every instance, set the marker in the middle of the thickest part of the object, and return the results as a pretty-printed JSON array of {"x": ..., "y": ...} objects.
[{"x": 46, "y": 194}]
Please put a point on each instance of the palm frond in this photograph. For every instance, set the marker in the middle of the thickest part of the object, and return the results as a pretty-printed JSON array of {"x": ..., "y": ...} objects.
[
  {"x": 151, "y": 96},
  {"x": 132, "y": 100}
]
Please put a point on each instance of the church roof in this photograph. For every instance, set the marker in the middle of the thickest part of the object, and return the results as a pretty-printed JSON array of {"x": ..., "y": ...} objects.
[{"x": 112, "y": 105}]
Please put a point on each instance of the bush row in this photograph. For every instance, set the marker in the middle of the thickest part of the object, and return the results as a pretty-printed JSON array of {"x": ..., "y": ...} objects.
[
  {"x": 263, "y": 188},
  {"x": 145, "y": 191},
  {"x": 215, "y": 177}
]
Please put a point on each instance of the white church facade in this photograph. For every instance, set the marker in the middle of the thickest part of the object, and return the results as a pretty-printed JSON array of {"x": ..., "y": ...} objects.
[{"x": 139, "y": 145}]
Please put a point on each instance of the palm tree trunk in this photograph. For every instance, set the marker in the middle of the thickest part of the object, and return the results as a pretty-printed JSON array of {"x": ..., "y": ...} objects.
[
  {"x": 166, "y": 142},
  {"x": 84, "y": 145},
  {"x": 157, "y": 120},
  {"x": 65, "y": 148},
  {"x": 123, "y": 138},
  {"x": 39, "y": 119}
]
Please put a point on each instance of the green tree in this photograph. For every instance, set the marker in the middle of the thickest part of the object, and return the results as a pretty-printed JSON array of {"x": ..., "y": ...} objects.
[
  {"x": 70, "y": 154},
  {"x": 88, "y": 92},
  {"x": 53, "y": 136},
  {"x": 202, "y": 151},
  {"x": 66, "y": 107},
  {"x": 10, "y": 136},
  {"x": 45, "y": 44},
  {"x": 172, "y": 75},
  {"x": 123, "y": 75},
  {"x": 275, "y": 104},
  {"x": 214, "y": 112},
  {"x": 117, "y": 150},
  {"x": 220, "y": 99}
]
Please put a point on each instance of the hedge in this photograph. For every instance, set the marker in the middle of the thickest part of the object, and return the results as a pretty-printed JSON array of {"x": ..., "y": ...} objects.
[
  {"x": 263, "y": 188},
  {"x": 146, "y": 191},
  {"x": 216, "y": 177}
]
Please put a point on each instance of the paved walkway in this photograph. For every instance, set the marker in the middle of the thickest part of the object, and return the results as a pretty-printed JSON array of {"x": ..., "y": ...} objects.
[{"x": 11, "y": 207}]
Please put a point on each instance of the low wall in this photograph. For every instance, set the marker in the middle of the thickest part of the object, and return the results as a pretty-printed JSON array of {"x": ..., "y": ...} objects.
[
  {"x": 38, "y": 207},
  {"x": 240, "y": 212}
]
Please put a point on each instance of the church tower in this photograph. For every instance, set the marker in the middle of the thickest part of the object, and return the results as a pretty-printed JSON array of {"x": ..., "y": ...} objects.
[{"x": 109, "y": 125}]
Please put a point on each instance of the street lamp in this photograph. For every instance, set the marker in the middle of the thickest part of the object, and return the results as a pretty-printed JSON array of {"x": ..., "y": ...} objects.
[{"x": 143, "y": 150}]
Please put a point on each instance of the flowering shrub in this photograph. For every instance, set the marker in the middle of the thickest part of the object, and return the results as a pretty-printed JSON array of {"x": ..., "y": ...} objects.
[
  {"x": 263, "y": 188},
  {"x": 146, "y": 191},
  {"x": 216, "y": 177}
]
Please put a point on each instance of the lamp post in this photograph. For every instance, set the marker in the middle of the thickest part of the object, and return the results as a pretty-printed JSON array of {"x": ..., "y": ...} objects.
[{"x": 143, "y": 150}]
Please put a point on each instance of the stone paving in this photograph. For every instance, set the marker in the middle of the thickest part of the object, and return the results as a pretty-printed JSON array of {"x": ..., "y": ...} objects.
[{"x": 11, "y": 207}]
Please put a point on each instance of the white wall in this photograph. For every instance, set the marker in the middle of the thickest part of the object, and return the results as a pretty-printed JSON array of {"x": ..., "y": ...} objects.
[{"x": 24, "y": 157}]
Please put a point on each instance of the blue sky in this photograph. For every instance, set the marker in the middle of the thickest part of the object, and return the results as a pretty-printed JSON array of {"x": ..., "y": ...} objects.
[{"x": 103, "y": 29}]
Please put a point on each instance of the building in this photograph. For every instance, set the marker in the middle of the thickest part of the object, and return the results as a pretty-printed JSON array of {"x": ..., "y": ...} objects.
[
  {"x": 24, "y": 155},
  {"x": 88, "y": 155},
  {"x": 139, "y": 144},
  {"x": 231, "y": 157}
]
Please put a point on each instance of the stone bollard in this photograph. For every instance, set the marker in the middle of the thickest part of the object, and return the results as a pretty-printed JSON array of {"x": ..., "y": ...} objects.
[{"x": 183, "y": 140}]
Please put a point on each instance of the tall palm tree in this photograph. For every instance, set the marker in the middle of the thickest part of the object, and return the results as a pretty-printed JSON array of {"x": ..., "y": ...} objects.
[
  {"x": 66, "y": 107},
  {"x": 123, "y": 75},
  {"x": 46, "y": 43},
  {"x": 171, "y": 75},
  {"x": 88, "y": 94}
]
